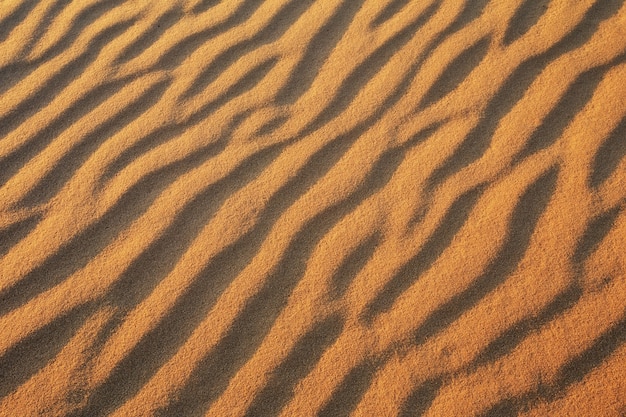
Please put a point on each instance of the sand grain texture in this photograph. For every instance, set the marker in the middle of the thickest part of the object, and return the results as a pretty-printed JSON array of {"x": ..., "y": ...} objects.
[{"x": 312, "y": 208}]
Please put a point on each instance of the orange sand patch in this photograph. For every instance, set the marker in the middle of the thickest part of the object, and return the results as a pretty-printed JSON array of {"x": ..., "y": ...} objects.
[{"x": 312, "y": 208}]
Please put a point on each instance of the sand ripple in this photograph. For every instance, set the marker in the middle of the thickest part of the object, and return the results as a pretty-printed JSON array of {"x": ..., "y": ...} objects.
[{"x": 299, "y": 208}]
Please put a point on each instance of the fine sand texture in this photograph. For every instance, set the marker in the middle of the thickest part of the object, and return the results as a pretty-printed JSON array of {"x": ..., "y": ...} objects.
[{"x": 250, "y": 208}]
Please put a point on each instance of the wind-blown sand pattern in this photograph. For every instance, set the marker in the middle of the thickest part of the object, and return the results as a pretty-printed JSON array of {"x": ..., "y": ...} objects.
[{"x": 312, "y": 208}]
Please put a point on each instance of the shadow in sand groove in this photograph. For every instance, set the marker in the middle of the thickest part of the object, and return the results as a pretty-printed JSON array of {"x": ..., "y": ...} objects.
[
  {"x": 523, "y": 221},
  {"x": 306, "y": 353},
  {"x": 34, "y": 352}
]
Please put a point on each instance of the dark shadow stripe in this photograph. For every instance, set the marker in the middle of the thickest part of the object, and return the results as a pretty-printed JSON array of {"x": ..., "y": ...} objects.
[
  {"x": 16, "y": 17},
  {"x": 61, "y": 79},
  {"x": 211, "y": 377},
  {"x": 163, "y": 134},
  {"x": 421, "y": 399},
  {"x": 608, "y": 156},
  {"x": 205, "y": 5},
  {"x": 366, "y": 70},
  {"x": 437, "y": 242},
  {"x": 347, "y": 395},
  {"x": 301, "y": 360},
  {"x": 578, "y": 94},
  {"x": 317, "y": 52},
  {"x": 185, "y": 47},
  {"x": 273, "y": 30},
  {"x": 509, "y": 339},
  {"x": 353, "y": 264},
  {"x": 595, "y": 232},
  {"x": 34, "y": 352},
  {"x": 11, "y": 235},
  {"x": 513, "y": 89},
  {"x": 531, "y": 204},
  {"x": 391, "y": 9},
  {"x": 74, "y": 158},
  {"x": 84, "y": 19},
  {"x": 456, "y": 72},
  {"x": 526, "y": 16},
  {"x": 16, "y": 160},
  {"x": 151, "y": 35},
  {"x": 82, "y": 248}
]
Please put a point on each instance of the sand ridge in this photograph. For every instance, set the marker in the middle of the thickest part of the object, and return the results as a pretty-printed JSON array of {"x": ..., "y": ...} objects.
[{"x": 299, "y": 207}]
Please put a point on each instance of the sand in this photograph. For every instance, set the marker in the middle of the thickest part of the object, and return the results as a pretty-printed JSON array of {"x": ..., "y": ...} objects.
[{"x": 312, "y": 208}]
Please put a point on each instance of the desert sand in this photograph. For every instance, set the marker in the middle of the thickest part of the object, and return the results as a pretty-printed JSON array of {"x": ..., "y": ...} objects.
[{"x": 312, "y": 208}]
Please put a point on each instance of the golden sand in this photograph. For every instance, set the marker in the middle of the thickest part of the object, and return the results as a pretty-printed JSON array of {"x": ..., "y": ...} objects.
[{"x": 312, "y": 208}]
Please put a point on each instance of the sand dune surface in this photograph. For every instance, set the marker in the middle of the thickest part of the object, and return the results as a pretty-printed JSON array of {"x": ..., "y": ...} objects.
[{"x": 312, "y": 208}]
